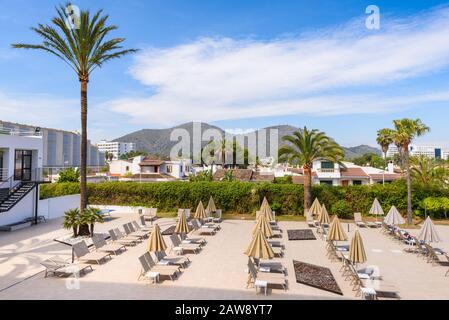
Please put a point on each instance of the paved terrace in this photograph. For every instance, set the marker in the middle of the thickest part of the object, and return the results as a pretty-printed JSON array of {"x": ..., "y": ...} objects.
[{"x": 218, "y": 272}]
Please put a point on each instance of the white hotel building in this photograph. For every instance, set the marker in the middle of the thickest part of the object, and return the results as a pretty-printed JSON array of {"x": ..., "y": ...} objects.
[
  {"x": 116, "y": 148},
  {"x": 430, "y": 151}
]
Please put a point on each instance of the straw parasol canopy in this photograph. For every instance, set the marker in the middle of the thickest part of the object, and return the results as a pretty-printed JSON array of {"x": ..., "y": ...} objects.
[
  {"x": 336, "y": 232},
  {"x": 376, "y": 208},
  {"x": 211, "y": 205},
  {"x": 181, "y": 225},
  {"x": 156, "y": 242},
  {"x": 265, "y": 208},
  {"x": 200, "y": 213},
  {"x": 315, "y": 209},
  {"x": 394, "y": 217},
  {"x": 266, "y": 211},
  {"x": 357, "y": 252},
  {"x": 259, "y": 247},
  {"x": 324, "y": 216},
  {"x": 264, "y": 225},
  {"x": 428, "y": 232}
]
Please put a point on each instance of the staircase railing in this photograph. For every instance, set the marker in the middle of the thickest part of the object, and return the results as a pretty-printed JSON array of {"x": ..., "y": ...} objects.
[{"x": 8, "y": 185}]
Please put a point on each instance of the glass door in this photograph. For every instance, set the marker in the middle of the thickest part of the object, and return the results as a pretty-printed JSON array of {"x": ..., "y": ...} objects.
[{"x": 23, "y": 165}]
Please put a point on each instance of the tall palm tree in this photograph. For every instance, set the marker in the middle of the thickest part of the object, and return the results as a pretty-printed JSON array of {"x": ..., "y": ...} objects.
[
  {"x": 405, "y": 130},
  {"x": 83, "y": 47},
  {"x": 384, "y": 139},
  {"x": 303, "y": 148}
]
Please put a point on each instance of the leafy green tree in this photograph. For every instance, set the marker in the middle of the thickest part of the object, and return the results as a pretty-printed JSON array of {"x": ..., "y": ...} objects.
[
  {"x": 69, "y": 175},
  {"x": 132, "y": 154},
  {"x": 305, "y": 146},
  {"x": 205, "y": 175},
  {"x": 84, "y": 47},
  {"x": 370, "y": 159}
]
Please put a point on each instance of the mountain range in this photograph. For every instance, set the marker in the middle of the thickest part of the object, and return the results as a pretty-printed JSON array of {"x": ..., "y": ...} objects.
[{"x": 157, "y": 141}]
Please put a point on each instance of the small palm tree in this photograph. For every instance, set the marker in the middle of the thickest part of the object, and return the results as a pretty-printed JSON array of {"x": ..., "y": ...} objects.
[
  {"x": 90, "y": 216},
  {"x": 305, "y": 146},
  {"x": 72, "y": 220},
  {"x": 83, "y": 48}
]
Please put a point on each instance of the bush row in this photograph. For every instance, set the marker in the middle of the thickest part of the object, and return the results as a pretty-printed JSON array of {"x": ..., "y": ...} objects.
[{"x": 245, "y": 197}]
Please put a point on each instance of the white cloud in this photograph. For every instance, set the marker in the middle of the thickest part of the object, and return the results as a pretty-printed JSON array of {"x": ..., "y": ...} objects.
[{"x": 332, "y": 72}]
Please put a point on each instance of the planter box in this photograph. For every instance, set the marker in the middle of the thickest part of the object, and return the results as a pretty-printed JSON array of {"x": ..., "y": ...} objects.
[{"x": 15, "y": 226}]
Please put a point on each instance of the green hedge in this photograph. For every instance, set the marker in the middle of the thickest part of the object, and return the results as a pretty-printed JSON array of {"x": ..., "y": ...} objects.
[{"x": 244, "y": 197}]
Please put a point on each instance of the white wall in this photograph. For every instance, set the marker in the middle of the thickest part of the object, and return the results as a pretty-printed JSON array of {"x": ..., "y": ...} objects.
[
  {"x": 22, "y": 210},
  {"x": 55, "y": 207}
]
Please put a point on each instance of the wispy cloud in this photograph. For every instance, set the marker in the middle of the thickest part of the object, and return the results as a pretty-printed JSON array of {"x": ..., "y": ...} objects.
[{"x": 330, "y": 71}]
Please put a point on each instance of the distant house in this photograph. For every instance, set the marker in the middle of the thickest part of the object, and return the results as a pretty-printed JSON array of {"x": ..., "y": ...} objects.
[
  {"x": 150, "y": 168},
  {"x": 245, "y": 175},
  {"x": 347, "y": 174}
]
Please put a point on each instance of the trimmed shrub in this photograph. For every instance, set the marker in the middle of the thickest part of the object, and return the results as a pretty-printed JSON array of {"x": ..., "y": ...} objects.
[{"x": 246, "y": 197}]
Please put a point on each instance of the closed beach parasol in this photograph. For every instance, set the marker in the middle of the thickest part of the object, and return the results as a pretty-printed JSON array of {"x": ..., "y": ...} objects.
[
  {"x": 357, "y": 252},
  {"x": 336, "y": 232},
  {"x": 181, "y": 226},
  {"x": 428, "y": 232},
  {"x": 156, "y": 242},
  {"x": 263, "y": 225},
  {"x": 394, "y": 217},
  {"x": 259, "y": 247},
  {"x": 200, "y": 213},
  {"x": 324, "y": 216}
]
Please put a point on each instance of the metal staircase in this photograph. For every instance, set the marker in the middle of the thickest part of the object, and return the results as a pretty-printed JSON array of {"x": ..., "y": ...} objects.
[{"x": 10, "y": 197}]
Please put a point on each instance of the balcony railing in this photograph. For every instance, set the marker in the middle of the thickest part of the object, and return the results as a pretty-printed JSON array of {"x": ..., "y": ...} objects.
[
  {"x": 21, "y": 133},
  {"x": 322, "y": 170}
]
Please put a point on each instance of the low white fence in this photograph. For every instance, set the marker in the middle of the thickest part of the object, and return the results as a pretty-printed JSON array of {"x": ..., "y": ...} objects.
[{"x": 55, "y": 207}]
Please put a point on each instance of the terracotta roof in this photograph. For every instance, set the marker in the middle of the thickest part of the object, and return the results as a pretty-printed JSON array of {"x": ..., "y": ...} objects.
[
  {"x": 151, "y": 162},
  {"x": 266, "y": 177},
  {"x": 298, "y": 179},
  {"x": 388, "y": 176},
  {"x": 353, "y": 173},
  {"x": 152, "y": 176},
  {"x": 296, "y": 170}
]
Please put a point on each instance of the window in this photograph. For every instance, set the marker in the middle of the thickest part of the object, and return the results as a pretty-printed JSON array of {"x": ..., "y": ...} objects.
[
  {"x": 357, "y": 182},
  {"x": 326, "y": 182},
  {"x": 169, "y": 168},
  {"x": 127, "y": 168},
  {"x": 327, "y": 165},
  {"x": 22, "y": 165}
]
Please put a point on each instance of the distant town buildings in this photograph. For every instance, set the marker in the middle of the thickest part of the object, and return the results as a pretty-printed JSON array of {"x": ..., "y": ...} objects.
[
  {"x": 116, "y": 148},
  {"x": 148, "y": 168},
  {"x": 434, "y": 152},
  {"x": 60, "y": 148}
]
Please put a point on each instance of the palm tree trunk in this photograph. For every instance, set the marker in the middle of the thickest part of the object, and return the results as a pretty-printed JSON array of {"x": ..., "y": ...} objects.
[
  {"x": 307, "y": 188},
  {"x": 83, "y": 229},
  {"x": 409, "y": 184}
]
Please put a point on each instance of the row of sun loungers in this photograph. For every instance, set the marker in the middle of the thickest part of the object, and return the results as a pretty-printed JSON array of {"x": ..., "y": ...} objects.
[
  {"x": 170, "y": 266},
  {"x": 103, "y": 250}
]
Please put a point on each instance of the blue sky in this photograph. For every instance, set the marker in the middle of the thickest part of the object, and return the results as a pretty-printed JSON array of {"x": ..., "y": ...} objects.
[{"x": 240, "y": 64}]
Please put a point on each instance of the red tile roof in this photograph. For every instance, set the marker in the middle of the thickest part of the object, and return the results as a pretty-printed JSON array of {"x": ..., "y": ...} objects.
[
  {"x": 388, "y": 176},
  {"x": 353, "y": 173}
]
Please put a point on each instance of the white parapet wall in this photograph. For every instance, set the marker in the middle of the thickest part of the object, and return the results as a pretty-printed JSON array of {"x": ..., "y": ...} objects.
[
  {"x": 52, "y": 208},
  {"x": 24, "y": 209}
]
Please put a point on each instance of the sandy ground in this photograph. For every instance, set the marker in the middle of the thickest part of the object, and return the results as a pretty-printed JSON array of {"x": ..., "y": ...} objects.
[{"x": 218, "y": 272}]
